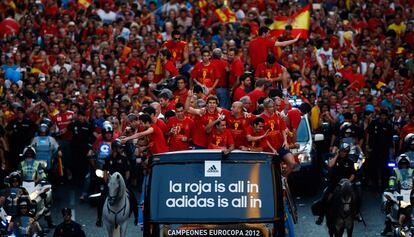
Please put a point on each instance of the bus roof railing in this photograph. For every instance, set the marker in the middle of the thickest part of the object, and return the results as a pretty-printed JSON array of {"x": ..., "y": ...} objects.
[{"x": 212, "y": 154}]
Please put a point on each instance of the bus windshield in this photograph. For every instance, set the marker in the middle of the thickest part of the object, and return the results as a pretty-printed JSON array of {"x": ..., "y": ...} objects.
[
  {"x": 302, "y": 132},
  {"x": 212, "y": 190}
]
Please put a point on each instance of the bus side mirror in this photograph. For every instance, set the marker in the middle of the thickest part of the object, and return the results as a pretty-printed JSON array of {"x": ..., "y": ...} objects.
[{"x": 318, "y": 137}]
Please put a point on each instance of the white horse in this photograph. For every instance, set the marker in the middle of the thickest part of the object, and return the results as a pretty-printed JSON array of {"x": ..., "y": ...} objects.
[{"x": 117, "y": 209}]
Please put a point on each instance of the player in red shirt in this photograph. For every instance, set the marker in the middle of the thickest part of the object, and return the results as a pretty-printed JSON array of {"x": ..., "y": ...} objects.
[
  {"x": 179, "y": 128},
  {"x": 277, "y": 136},
  {"x": 202, "y": 117},
  {"x": 166, "y": 103},
  {"x": 271, "y": 70},
  {"x": 259, "y": 46},
  {"x": 168, "y": 66},
  {"x": 261, "y": 86},
  {"x": 178, "y": 49},
  {"x": 219, "y": 136},
  {"x": 205, "y": 73},
  {"x": 222, "y": 67},
  {"x": 151, "y": 111},
  {"x": 245, "y": 83},
  {"x": 256, "y": 136},
  {"x": 236, "y": 68},
  {"x": 181, "y": 93},
  {"x": 156, "y": 137},
  {"x": 237, "y": 123}
]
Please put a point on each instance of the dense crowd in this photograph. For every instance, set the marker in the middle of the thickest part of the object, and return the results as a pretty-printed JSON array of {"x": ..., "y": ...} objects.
[{"x": 171, "y": 75}]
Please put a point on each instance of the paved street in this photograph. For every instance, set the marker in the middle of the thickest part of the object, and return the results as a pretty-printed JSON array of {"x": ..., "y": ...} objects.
[{"x": 85, "y": 214}]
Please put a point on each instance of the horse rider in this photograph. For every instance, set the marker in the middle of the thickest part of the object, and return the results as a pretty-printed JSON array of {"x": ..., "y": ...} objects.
[
  {"x": 399, "y": 178},
  {"x": 342, "y": 167},
  {"x": 33, "y": 171},
  {"x": 117, "y": 162},
  {"x": 13, "y": 193},
  {"x": 68, "y": 228},
  {"x": 23, "y": 224}
]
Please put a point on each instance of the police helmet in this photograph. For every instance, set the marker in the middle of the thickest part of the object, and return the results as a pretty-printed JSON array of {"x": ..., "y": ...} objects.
[
  {"x": 29, "y": 152},
  {"x": 409, "y": 139},
  {"x": 346, "y": 128},
  {"x": 23, "y": 201},
  {"x": 403, "y": 158},
  {"x": 345, "y": 147},
  {"x": 107, "y": 127},
  {"x": 43, "y": 128},
  {"x": 15, "y": 176},
  {"x": 117, "y": 143},
  {"x": 47, "y": 121}
]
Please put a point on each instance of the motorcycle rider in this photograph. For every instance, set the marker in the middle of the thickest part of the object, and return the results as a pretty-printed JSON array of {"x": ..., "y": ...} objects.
[
  {"x": 342, "y": 167},
  {"x": 400, "y": 175},
  {"x": 13, "y": 193},
  {"x": 23, "y": 224},
  {"x": 33, "y": 171},
  {"x": 100, "y": 151},
  {"x": 46, "y": 146}
]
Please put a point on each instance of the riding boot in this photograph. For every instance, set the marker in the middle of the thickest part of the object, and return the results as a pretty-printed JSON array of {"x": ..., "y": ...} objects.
[
  {"x": 387, "y": 229},
  {"x": 49, "y": 221},
  {"x": 99, "y": 209}
]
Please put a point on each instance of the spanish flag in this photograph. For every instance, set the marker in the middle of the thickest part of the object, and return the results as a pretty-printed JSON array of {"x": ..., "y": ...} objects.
[
  {"x": 225, "y": 14},
  {"x": 84, "y": 3},
  {"x": 203, "y": 7},
  {"x": 299, "y": 21}
]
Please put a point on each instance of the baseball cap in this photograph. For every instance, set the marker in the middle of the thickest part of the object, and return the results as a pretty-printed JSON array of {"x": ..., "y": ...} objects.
[
  {"x": 338, "y": 74},
  {"x": 370, "y": 108}
]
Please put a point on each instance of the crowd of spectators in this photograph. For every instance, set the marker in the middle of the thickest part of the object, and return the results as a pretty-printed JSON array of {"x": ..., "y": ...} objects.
[{"x": 115, "y": 59}]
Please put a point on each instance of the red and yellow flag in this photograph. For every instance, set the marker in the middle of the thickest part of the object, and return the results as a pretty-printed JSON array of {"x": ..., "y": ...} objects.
[
  {"x": 225, "y": 14},
  {"x": 299, "y": 21},
  {"x": 202, "y": 6},
  {"x": 84, "y": 3}
]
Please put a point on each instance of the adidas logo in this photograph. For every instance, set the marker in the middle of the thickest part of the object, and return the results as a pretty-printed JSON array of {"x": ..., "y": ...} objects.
[{"x": 212, "y": 169}]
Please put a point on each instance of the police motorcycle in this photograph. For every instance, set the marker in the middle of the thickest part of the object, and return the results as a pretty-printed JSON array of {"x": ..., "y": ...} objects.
[
  {"x": 398, "y": 198},
  {"x": 4, "y": 222},
  {"x": 38, "y": 188},
  {"x": 95, "y": 184}
]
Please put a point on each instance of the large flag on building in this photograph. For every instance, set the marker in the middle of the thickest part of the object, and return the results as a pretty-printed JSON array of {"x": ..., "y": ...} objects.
[
  {"x": 84, "y": 3},
  {"x": 299, "y": 21}
]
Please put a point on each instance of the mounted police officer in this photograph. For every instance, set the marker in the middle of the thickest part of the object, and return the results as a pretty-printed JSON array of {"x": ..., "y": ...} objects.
[
  {"x": 401, "y": 178},
  {"x": 68, "y": 228},
  {"x": 342, "y": 167}
]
